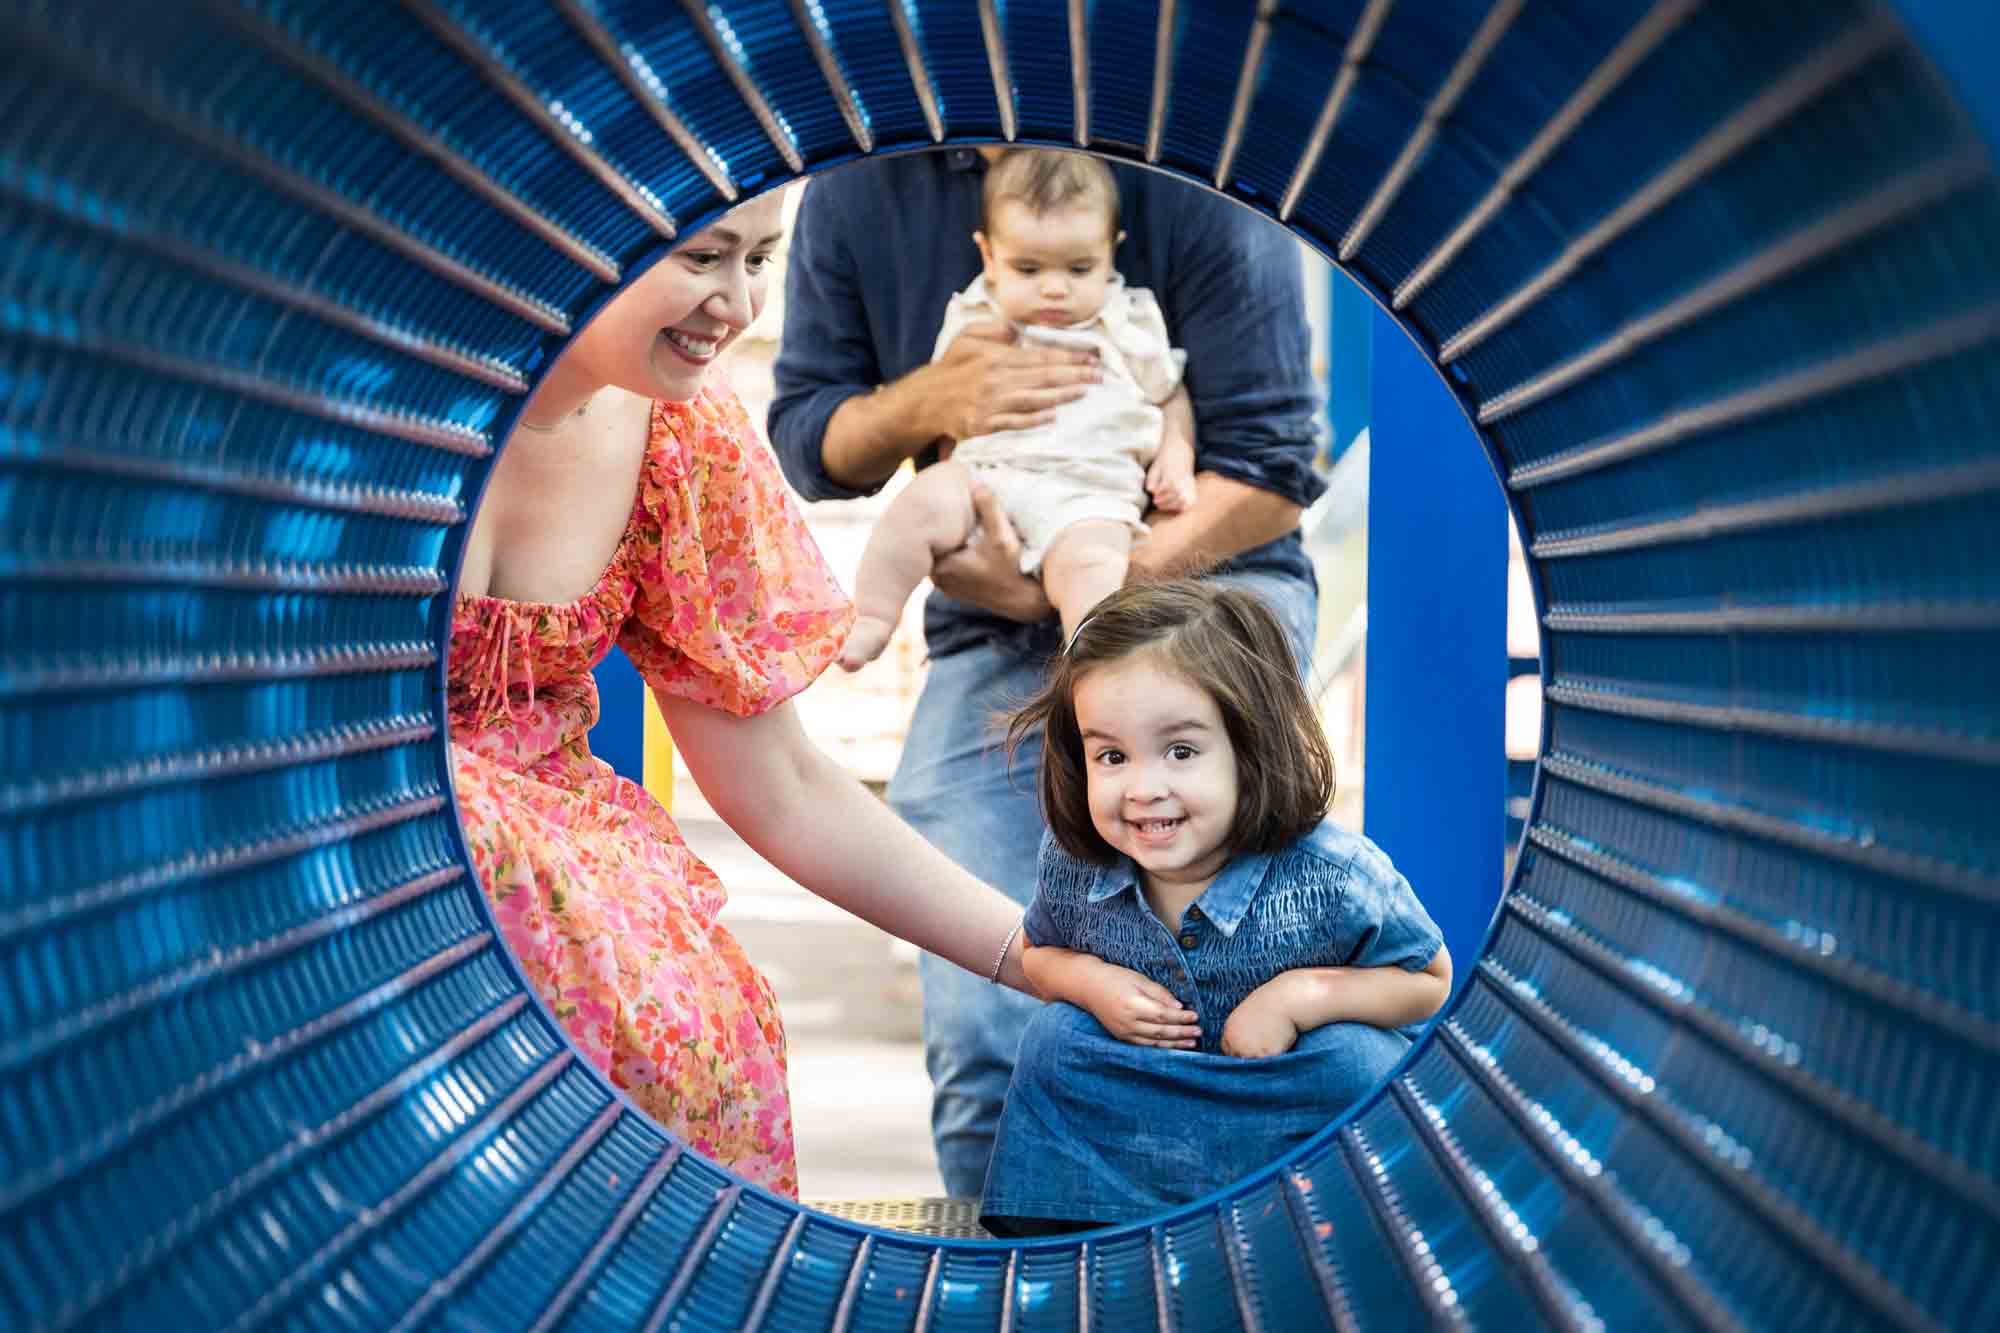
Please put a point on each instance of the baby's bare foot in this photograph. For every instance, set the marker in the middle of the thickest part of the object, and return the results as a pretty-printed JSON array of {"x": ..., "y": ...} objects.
[{"x": 865, "y": 644}]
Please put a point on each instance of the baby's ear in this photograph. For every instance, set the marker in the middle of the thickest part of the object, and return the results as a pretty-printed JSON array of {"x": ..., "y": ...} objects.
[{"x": 985, "y": 250}]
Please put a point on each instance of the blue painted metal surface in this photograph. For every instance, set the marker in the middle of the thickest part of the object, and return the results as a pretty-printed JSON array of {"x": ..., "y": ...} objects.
[
  {"x": 1723, "y": 283},
  {"x": 619, "y": 738},
  {"x": 1437, "y": 636},
  {"x": 1350, "y": 363}
]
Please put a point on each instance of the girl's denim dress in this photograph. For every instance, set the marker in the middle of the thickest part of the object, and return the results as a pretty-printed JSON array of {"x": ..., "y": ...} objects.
[{"x": 1099, "y": 1131}]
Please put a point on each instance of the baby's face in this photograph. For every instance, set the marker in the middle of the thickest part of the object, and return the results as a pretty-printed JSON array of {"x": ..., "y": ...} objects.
[{"x": 1051, "y": 268}]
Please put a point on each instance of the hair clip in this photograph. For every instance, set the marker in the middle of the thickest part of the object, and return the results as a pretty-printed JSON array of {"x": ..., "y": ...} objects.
[{"x": 1079, "y": 632}]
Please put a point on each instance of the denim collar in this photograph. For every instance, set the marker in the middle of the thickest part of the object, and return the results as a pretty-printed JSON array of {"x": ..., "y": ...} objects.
[{"x": 1224, "y": 902}]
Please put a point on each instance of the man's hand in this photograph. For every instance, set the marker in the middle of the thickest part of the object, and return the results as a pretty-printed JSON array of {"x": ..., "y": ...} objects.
[
  {"x": 986, "y": 381},
  {"x": 1263, "y": 1024},
  {"x": 989, "y": 380},
  {"x": 1135, "y": 1008},
  {"x": 986, "y": 571}
]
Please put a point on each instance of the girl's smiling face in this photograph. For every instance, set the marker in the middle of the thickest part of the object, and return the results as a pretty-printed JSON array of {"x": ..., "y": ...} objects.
[{"x": 1159, "y": 769}]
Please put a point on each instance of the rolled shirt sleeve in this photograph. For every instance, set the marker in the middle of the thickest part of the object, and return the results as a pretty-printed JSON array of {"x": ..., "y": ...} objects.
[
  {"x": 828, "y": 356},
  {"x": 1233, "y": 295}
]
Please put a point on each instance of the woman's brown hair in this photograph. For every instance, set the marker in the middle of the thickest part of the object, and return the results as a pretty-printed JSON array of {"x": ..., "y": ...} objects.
[{"x": 1224, "y": 641}]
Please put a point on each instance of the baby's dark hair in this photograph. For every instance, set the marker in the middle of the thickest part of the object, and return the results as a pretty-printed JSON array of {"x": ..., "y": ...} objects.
[
  {"x": 1046, "y": 179},
  {"x": 1223, "y": 641}
]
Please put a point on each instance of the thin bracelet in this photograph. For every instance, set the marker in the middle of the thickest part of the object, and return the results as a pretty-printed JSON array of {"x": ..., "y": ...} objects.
[{"x": 1005, "y": 945}]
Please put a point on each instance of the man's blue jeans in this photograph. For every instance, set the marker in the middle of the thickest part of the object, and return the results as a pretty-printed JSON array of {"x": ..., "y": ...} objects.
[{"x": 955, "y": 786}]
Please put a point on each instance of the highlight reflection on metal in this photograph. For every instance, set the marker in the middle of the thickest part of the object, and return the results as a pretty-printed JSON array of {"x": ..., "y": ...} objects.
[
  {"x": 728, "y": 58},
  {"x": 414, "y": 136},
  {"x": 1644, "y": 38},
  {"x": 1079, "y": 64},
  {"x": 1358, "y": 47},
  {"x": 547, "y": 113},
  {"x": 1717, "y": 284},
  {"x": 1246, "y": 88},
  {"x": 996, "y": 55},
  {"x": 1811, "y": 80},
  {"x": 1477, "y": 50},
  {"x": 632, "y": 71}
]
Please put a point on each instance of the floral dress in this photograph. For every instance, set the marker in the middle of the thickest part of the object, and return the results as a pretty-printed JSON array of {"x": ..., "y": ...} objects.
[{"x": 717, "y": 594}]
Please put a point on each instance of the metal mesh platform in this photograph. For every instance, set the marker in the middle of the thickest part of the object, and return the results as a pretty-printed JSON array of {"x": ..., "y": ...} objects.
[{"x": 958, "y": 1218}]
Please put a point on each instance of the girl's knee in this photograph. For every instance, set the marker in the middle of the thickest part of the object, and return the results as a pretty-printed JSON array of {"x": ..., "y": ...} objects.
[{"x": 1354, "y": 1057}]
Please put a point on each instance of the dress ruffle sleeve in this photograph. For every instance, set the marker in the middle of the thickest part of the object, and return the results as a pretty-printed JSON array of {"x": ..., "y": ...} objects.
[{"x": 736, "y": 607}]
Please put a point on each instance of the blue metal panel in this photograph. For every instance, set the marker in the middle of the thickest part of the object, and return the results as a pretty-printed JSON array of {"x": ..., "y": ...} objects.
[
  {"x": 619, "y": 738},
  {"x": 1350, "y": 363},
  {"x": 1437, "y": 646}
]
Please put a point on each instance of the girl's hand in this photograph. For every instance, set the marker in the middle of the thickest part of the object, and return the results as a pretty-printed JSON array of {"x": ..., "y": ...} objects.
[
  {"x": 1262, "y": 1025},
  {"x": 1136, "y": 1008}
]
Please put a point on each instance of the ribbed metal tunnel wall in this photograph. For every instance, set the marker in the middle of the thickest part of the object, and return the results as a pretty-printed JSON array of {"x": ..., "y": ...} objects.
[{"x": 1721, "y": 285}]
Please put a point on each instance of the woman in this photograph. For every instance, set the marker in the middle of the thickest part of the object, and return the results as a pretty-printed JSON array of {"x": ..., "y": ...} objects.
[{"x": 635, "y": 506}]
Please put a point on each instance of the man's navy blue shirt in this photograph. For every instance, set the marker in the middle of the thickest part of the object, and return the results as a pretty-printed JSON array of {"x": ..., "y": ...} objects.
[{"x": 881, "y": 246}]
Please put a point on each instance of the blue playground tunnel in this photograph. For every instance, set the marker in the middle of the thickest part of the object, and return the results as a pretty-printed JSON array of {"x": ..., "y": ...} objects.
[{"x": 1719, "y": 284}]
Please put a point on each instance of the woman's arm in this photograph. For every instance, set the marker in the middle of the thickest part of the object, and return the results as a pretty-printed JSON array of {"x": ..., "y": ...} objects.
[
  {"x": 815, "y": 822},
  {"x": 1132, "y": 1007},
  {"x": 1273, "y": 1016}
]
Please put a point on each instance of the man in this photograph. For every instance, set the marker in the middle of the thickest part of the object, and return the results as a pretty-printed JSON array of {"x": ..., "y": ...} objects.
[{"x": 878, "y": 249}]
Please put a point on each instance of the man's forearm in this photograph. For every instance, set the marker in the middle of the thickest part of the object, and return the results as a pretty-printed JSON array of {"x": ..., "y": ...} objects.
[
  {"x": 1228, "y": 518},
  {"x": 870, "y": 434}
]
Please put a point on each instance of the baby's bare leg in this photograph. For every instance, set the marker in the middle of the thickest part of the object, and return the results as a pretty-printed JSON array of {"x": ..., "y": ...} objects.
[
  {"x": 932, "y": 517},
  {"x": 1085, "y": 564}
]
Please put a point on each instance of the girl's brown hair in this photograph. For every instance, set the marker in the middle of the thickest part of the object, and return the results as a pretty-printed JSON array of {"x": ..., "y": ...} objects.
[{"x": 1224, "y": 641}]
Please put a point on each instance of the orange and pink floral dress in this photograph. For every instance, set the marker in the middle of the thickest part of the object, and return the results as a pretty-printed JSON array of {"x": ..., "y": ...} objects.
[{"x": 717, "y": 594}]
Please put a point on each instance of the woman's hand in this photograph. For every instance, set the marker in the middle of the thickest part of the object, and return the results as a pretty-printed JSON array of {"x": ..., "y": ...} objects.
[
  {"x": 1131, "y": 1007},
  {"x": 986, "y": 571},
  {"x": 1264, "y": 1023}
]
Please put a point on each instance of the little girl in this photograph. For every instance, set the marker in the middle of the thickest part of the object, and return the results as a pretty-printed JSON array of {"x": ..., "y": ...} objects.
[
  {"x": 1231, "y": 965},
  {"x": 1076, "y": 480}
]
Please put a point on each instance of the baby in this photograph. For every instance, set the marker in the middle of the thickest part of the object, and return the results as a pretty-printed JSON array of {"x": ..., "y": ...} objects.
[{"x": 1074, "y": 488}]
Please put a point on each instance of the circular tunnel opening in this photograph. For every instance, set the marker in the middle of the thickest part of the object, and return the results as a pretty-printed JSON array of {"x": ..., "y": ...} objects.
[{"x": 1718, "y": 287}]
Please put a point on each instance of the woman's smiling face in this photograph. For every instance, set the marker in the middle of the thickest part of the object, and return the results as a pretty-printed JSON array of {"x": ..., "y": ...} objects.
[
  {"x": 1159, "y": 769},
  {"x": 661, "y": 335}
]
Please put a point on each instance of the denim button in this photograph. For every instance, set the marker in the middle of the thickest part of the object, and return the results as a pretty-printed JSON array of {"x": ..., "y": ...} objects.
[{"x": 1189, "y": 940}]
